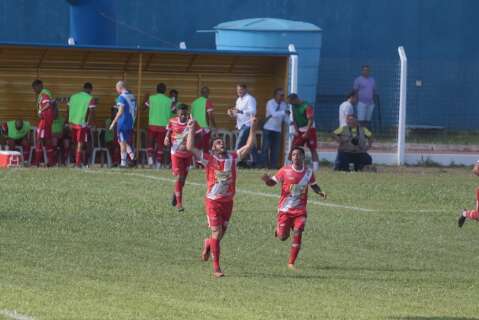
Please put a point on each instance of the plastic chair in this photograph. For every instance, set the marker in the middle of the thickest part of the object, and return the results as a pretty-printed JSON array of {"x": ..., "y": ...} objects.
[
  {"x": 98, "y": 147},
  {"x": 143, "y": 152},
  {"x": 34, "y": 147}
]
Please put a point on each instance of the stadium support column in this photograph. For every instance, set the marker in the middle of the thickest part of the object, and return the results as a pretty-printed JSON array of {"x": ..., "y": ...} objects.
[
  {"x": 293, "y": 88},
  {"x": 401, "y": 152},
  {"x": 138, "y": 107}
]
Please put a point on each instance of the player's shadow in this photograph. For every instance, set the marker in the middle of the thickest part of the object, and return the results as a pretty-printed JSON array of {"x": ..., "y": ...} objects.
[
  {"x": 431, "y": 318},
  {"x": 371, "y": 269}
]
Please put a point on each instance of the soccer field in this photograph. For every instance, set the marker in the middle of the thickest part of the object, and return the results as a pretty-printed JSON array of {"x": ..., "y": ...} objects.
[{"x": 105, "y": 244}]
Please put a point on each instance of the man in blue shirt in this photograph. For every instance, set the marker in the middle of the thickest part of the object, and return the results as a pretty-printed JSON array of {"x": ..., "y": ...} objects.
[{"x": 124, "y": 119}]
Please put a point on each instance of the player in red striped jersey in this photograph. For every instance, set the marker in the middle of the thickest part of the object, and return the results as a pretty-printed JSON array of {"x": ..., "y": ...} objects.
[
  {"x": 177, "y": 131},
  {"x": 295, "y": 180},
  {"x": 221, "y": 170}
]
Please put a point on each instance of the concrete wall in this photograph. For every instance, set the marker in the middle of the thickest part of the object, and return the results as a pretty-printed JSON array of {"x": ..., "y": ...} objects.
[{"x": 438, "y": 36}]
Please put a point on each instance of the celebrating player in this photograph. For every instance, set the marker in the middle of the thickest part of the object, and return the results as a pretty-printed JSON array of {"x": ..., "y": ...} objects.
[
  {"x": 177, "y": 132},
  {"x": 126, "y": 104},
  {"x": 471, "y": 214},
  {"x": 220, "y": 167},
  {"x": 294, "y": 179}
]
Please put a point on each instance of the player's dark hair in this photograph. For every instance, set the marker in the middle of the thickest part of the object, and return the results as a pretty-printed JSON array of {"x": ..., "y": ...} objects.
[
  {"x": 242, "y": 85},
  {"x": 174, "y": 91},
  {"x": 161, "y": 88},
  {"x": 293, "y": 96},
  {"x": 37, "y": 83},
  {"x": 88, "y": 86},
  {"x": 300, "y": 150},
  {"x": 182, "y": 106}
]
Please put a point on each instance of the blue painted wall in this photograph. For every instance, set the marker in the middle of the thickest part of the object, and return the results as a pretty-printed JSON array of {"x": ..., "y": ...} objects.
[{"x": 438, "y": 36}]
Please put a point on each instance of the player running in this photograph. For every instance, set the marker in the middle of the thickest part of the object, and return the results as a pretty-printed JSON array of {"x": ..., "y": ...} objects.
[
  {"x": 177, "y": 131},
  {"x": 471, "y": 214},
  {"x": 221, "y": 167},
  {"x": 126, "y": 104},
  {"x": 294, "y": 179}
]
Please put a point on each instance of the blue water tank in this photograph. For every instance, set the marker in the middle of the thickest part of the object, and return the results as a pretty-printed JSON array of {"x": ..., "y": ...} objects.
[
  {"x": 268, "y": 34},
  {"x": 93, "y": 22}
]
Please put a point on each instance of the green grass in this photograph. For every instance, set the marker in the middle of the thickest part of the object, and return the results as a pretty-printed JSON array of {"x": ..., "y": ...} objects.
[{"x": 106, "y": 245}]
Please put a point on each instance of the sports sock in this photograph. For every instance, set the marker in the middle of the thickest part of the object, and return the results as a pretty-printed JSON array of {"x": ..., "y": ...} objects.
[
  {"x": 215, "y": 253},
  {"x": 295, "y": 247},
  {"x": 78, "y": 156},
  {"x": 123, "y": 158},
  {"x": 179, "y": 192},
  {"x": 473, "y": 215},
  {"x": 130, "y": 152},
  {"x": 315, "y": 166}
]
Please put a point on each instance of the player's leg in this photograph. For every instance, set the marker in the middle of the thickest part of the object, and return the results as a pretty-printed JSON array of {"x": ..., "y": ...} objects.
[
  {"x": 179, "y": 168},
  {"x": 283, "y": 226},
  {"x": 470, "y": 214},
  {"x": 25, "y": 143},
  {"x": 215, "y": 248},
  {"x": 160, "y": 145},
  {"x": 122, "y": 140},
  {"x": 39, "y": 134},
  {"x": 298, "y": 227},
  {"x": 150, "y": 145},
  {"x": 312, "y": 143}
]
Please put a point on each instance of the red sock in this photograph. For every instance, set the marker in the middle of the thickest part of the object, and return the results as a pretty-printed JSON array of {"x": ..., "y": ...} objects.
[
  {"x": 295, "y": 247},
  {"x": 78, "y": 156},
  {"x": 215, "y": 253},
  {"x": 473, "y": 215},
  {"x": 178, "y": 193}
]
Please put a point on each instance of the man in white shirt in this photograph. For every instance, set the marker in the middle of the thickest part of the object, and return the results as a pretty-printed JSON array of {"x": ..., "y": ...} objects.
[
  {"x": 276, "y": 114},
  {"x": 244, "y": 110},
  {"x": 347, "y": 108}
]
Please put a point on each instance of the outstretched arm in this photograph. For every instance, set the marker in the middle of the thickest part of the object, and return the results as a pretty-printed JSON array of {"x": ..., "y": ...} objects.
[
  {"x": 245, "y": 150},
  {"x": 270, "y": 182},
  {"x": 190, "y": 140},
  {"x": 317, "y": 189}
]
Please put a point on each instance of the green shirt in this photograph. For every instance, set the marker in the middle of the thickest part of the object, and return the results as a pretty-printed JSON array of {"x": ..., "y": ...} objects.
[{"x": 160, "y": 110}]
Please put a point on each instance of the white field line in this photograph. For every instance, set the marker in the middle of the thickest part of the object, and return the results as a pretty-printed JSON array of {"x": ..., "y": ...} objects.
[
  {"x": 268, "y": 195},
  {"x": 14, "y": 315},
  {"x": 262, "y": 194}
]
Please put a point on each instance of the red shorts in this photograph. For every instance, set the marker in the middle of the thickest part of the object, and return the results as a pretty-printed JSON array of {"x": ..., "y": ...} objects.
[
  {"x": 156, "y": 132},
  {"x": 79, "y": 134},
  {"x": 179, "y": 165},
  {"x": 285, "y": 222},
  {"x": 218, "y": 212},
  {"x": 311, "y": 141},
  {"x": 44, "y": 128}
]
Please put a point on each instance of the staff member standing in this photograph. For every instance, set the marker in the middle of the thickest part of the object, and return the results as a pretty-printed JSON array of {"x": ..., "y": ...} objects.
[
  {"x": 276, "y": 113},
  {"x": 160, "y": 113},
  {"x": 365, "y": 85},
  {"x": 45, "y": 103},
  {"x": 243, "y": 112}
]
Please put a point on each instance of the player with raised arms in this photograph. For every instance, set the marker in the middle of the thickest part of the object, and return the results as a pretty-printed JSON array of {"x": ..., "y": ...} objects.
[
  {"x": 221, "y": 169},
  {"x": 177, "y": 131},
  {"x": 471, "y": 214},
  {"x": 295, "y": 180}
]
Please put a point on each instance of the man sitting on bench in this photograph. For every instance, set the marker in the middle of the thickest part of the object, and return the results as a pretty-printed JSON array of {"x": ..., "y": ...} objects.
[{"x": 18, "y": 134}]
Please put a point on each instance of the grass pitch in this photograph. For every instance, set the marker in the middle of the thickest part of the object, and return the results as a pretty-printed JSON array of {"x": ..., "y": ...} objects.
[{"x": 105, "y": 244}]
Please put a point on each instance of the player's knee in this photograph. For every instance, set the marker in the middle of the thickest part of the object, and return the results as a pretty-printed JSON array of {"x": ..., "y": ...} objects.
[{"x": 282, "y": 236}]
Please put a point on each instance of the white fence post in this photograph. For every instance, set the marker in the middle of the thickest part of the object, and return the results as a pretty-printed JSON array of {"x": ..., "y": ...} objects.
[
  {"x": 293, "y": 88},
  {"x": 401, "y": 151}
]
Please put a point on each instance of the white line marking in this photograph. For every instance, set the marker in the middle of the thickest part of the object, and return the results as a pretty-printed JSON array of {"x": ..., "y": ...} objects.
[
  {"x": 269, "y": 195},
  {"x": 14, "y": 315},
  {"x": 263, "y": 194}
]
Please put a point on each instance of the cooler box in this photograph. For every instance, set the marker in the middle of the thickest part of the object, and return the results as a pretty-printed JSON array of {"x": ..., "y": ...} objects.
[{"x": 10, "y": 159}]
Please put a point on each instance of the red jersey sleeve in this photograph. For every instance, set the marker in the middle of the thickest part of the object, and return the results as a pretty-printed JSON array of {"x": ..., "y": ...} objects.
[
  {"x": 44, "y": 101},
  {"x": 279, "y": 176},
  {"x": 309, "y": 112},
  {"x": 209, "y": 106}
]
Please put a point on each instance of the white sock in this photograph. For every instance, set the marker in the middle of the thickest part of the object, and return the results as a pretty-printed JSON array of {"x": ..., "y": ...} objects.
[
  {"x": 130, "y": 152},
  {"x": 150, "y": 161},
  {"x": 123, "y": 158},
  {"x": 315, "y": 166}
]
